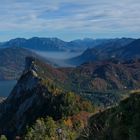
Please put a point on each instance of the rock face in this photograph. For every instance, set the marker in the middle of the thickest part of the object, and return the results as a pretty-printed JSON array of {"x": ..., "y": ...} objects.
[{"x": 24, "y": 101}]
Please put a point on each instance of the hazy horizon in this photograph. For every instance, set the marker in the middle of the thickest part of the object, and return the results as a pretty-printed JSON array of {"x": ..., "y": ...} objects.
[{"x": 1, "y": 41}]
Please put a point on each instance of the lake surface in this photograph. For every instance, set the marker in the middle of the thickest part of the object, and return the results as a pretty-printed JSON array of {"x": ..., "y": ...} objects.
[{"x": 6, "y": 87}]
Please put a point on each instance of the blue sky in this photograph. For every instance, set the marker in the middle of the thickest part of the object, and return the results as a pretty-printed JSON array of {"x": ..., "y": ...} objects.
[{"x": 69, "y": 19}]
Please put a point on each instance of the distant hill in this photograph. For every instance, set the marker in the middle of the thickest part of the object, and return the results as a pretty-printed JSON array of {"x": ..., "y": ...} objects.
[
  {"x": 107, "y": 75},
  {"x": 90, "y": 79},
  {"x": 55, "y": 44},
  {"x": 130, "y": 51},
  {"x": 120, "y": 49},
  {"x": 90, "y": 43},
  {"x": 36, "y": 43},
  {"x": 12, "y": 61}
]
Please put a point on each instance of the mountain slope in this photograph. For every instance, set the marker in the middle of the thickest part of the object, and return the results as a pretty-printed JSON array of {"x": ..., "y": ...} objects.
[
  {"x": 106, "y": 75},
  {"x": 89, "y": 77},
  {"x": 99, "y": 76},
  {"x": 118, "y": 49},
  {"x": 100, "y": 81},
  {"x": 118, "y": 123},
  {"x": 132, "y": 50},
  {"x": 111, "y": 74},
  {"x": 45, "y": 91}
]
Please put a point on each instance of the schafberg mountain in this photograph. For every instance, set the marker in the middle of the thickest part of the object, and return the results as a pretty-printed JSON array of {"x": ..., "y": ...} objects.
[
  {"x": 36, "y": 43},
  {"x": 115, "y": 49}
]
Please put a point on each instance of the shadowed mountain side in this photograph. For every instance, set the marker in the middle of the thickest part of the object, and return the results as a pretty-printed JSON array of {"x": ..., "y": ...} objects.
[
  {"x": 118, "y": 123},
  {"x": 114, "y": 49}
]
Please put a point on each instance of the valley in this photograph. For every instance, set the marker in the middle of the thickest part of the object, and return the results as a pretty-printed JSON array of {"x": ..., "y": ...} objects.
[
  {"x": 69, "y": 70},
  {"x": 47, "y": 91}
]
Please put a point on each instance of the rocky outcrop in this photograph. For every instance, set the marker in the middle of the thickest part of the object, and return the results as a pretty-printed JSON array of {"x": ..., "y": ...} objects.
[
  {"x": 25, "y": 100},
  {"x": 34, "y": 97}
]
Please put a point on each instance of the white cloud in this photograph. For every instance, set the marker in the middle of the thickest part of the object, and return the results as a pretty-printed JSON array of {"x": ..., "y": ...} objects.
[{"x": 71, "y": 15}]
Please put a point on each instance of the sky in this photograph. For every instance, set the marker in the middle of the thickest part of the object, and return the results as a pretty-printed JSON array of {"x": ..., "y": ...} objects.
[{"x": 69, "y": 19}]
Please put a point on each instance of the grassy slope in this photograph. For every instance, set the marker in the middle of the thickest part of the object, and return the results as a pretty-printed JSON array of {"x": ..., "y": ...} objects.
[{"x": 118, "y": 123}]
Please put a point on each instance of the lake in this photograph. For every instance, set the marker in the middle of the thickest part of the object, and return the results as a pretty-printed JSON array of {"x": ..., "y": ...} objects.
[{"x": 6, "y": 87}]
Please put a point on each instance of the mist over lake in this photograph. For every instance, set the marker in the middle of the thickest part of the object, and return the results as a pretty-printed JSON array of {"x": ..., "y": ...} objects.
[{"x": 59, "y": 57}]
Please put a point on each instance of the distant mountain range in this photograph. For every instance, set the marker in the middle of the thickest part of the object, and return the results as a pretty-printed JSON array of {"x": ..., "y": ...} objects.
[
  {"x": 55, "y": 44},
  {"x": 14, "y": 52},
  {"x": 36, "y": 43},
  {"x": 120, "y": 49}
]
